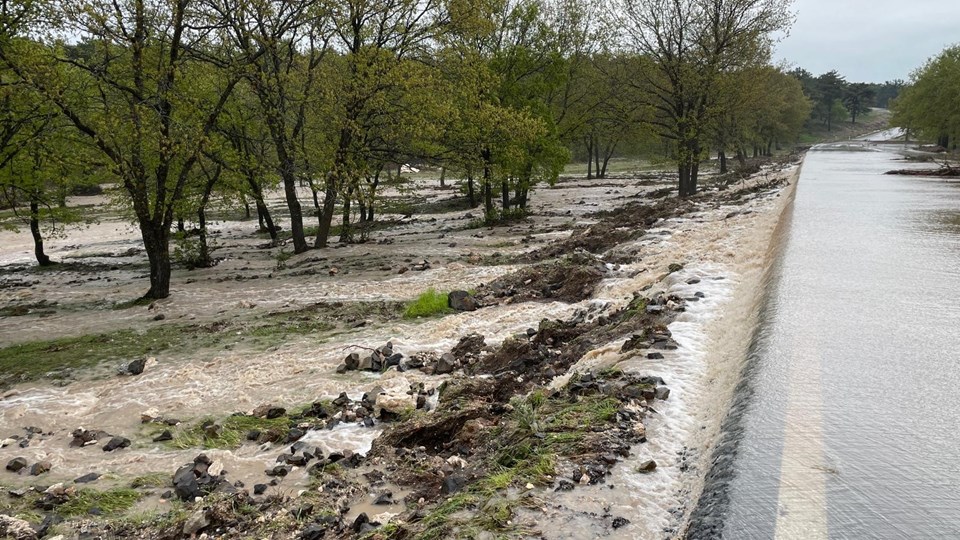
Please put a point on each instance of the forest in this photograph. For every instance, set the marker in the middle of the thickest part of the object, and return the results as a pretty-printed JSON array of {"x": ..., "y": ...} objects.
[{"x": 185, "y": 102}]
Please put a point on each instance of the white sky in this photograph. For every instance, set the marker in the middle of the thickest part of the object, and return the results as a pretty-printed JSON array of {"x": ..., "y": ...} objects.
[{"x": 869, "y": 40}]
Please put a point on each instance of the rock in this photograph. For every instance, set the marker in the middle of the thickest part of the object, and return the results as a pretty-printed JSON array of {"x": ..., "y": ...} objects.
[
  {"x": 674, "y": 267},
  {"x": 366, "y": 363},
  {"x": 294, "y": 434},
  {"x": 655, "y": 356},
  {"x": 647, "y": 466},
  {"x": 185, "y": 484},
  {"x": 212, "y": 431},
  {"x": 446, "y": 364},
  {"x": 394, "y": 404},
  {"x": 693, "y": 281},
  {"x": 341, "y": 369},
  {"x": 384, "y": 498},
  {"x": 342, "y": 400},
  {"x": 16, "y": 528},
  {"x": 662, "y": 393},
  {"x": 87, "y": 478},
  {"x": 314, "y": 532},
  {"x": 654, "y": 309},
  {"x": 41, "y": 467},
  {"x": 165, "y": 436},
  {"x": 136, "y": 367},
  {"x": 275, "y": 412},
  {"x": 269, "y": 411},
  {"x": 358, "y": 523},
  {"x": 620, "y": 522},
  {"x": 150, "y": 415},
  {"x": 259, "y": 489},
  {"x": 159, "y": 317},
  {"x": 564, "y": 485},
  {"x": 461, "y": 301},
  {"x": 116, "y": 443},
  {"x": 453, "y": 483},
  {"x": 17, "y": 464},
  {"x": 352, "y": 361},
  {"x": 196, "y": 522}
]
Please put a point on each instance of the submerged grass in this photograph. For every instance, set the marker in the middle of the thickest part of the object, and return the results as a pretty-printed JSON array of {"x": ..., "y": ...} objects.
[
  {"x": 428, "y": 304},
  {"x": 233, "y": 433},
  {"x": 111, "y": 502},
  {"x": 29, "y": 361}
]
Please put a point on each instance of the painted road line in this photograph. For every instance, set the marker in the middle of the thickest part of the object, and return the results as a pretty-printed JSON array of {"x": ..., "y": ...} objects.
[{"x": 802, "y": 497}]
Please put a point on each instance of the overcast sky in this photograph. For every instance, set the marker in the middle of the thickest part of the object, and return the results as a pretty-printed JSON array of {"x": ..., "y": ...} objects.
[{"x": 869, "y": 40}]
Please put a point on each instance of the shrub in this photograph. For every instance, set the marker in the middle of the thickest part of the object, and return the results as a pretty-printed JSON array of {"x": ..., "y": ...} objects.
[{"x": 428, "y": 304}]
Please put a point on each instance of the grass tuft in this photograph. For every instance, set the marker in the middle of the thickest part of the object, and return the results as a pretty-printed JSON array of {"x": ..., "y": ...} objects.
[
  {"x": 114, "y": 501},
  {"x": 233, "y": 434},
  {"x": 428, "y": 304}
]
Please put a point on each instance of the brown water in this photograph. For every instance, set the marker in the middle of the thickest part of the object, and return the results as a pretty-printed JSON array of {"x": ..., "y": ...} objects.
[
  {"x": 847, "y": 417},
  {"x": 726, "y": 252}
]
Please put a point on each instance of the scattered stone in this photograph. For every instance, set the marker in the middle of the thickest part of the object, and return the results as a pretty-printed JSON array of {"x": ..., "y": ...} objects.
[
  {"x": 41, "y": 467},
  {"x": 662, "y": 393},
  {"x": 16, "y": 528},
  {"x": 159, "y": 317},
  {"x": 453, "y": 483},
  {"x": 446, "y": 364},
  {"x": 259, "y": 489},
  {"x": 116, "y": 443},
  {"x": 655, "y": 356},
  {"x": 87, "y": 478},
  {"x": 620, "y": 522},
  {"x": 647, "y": 466},
  {"x": 461, "y": 301},
  {"x": 165, "y": 436},
  {"x": 17, "y": 464},
  {"x": 137, "y": 366},
  {"x": 196, "y": 522},
  {"x": 384, "y": 498},
  {"x": 352, "y": 361}
]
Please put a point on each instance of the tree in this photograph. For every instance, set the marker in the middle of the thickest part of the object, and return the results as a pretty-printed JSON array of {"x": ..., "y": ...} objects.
[
  {"x": 287, "y": 43},
  {"x": 830, "y": 89},
  {"x": 930, "y": 106},
  {"x": 131, "y": 89},
  {"x": 858, "y": 98},
  {"x": 690, "y": 43}
]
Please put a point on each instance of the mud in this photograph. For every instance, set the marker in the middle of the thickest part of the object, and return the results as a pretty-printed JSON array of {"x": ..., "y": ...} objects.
[{"x": 539, "y": 380}]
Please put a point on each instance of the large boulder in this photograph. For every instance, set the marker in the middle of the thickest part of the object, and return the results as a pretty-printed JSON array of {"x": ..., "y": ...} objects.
[
  {"x": 16, "y": 528},
  {"x": 461, "y": 301}
]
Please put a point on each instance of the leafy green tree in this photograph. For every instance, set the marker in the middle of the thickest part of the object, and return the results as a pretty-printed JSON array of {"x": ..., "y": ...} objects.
[
  {"x": 930, "y": 106},
  {"x": 132, "y": 90},
  {"x": 858, "y": 98},
  {"x": 690, "y": 43}
]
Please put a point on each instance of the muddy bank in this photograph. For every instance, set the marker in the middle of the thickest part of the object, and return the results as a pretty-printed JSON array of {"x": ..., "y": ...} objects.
[{"x": 575, "y": 350}]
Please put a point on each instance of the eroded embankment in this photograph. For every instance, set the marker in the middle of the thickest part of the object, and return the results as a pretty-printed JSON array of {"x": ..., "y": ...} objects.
[{"x": 540, "y": 429}]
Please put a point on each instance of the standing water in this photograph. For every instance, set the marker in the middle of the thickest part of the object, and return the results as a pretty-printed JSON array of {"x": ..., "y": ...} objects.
[{"x": 846, "y": 420}]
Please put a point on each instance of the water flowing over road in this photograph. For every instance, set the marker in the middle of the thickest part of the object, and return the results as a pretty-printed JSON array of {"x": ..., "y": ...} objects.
[{"x": 846, "y": 422}]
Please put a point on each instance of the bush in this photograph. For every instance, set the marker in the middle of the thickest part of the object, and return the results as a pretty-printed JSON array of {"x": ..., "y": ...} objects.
[{"x": 429, "y": 303}]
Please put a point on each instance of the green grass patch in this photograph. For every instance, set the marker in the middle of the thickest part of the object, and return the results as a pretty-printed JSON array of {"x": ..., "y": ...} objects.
[
  {"x": 430, "y": 303},
  {"x": 114, "y": 501},
  {"x": 151, "y": 480},
  {"x": 232, "y": 435},
  {"x": 29, "y": 361}
]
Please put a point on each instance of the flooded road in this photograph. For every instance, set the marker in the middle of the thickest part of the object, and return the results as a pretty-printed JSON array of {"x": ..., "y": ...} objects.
[{"x": 846, "y": 421}]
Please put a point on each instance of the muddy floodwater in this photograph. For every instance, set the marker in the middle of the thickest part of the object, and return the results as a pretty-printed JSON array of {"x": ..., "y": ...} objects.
[
  {"x": 722, "y": 243},
  {"x": 846, "y": 422}
]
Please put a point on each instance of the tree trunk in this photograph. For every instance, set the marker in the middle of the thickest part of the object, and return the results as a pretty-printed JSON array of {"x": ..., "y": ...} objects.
[
  {"x": 156, "y": 242},
  {"x": 471, "y": 192},
  {"x": 296, "y": 214},
  {"x": 264, "y": 214},
  {"x": 345, "y": 234},
  {"x": 505, "y": 195},
  {"x": 246, "y": 208},
  {"x": 589, "y": 143},
  {"x": 42, "y": 258},
  {"x": 326, "y": 212},
  {"x": 722, "y": 156},
  {"x": 596, "y": 158},
  {"x": 443, "y": 176}
]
